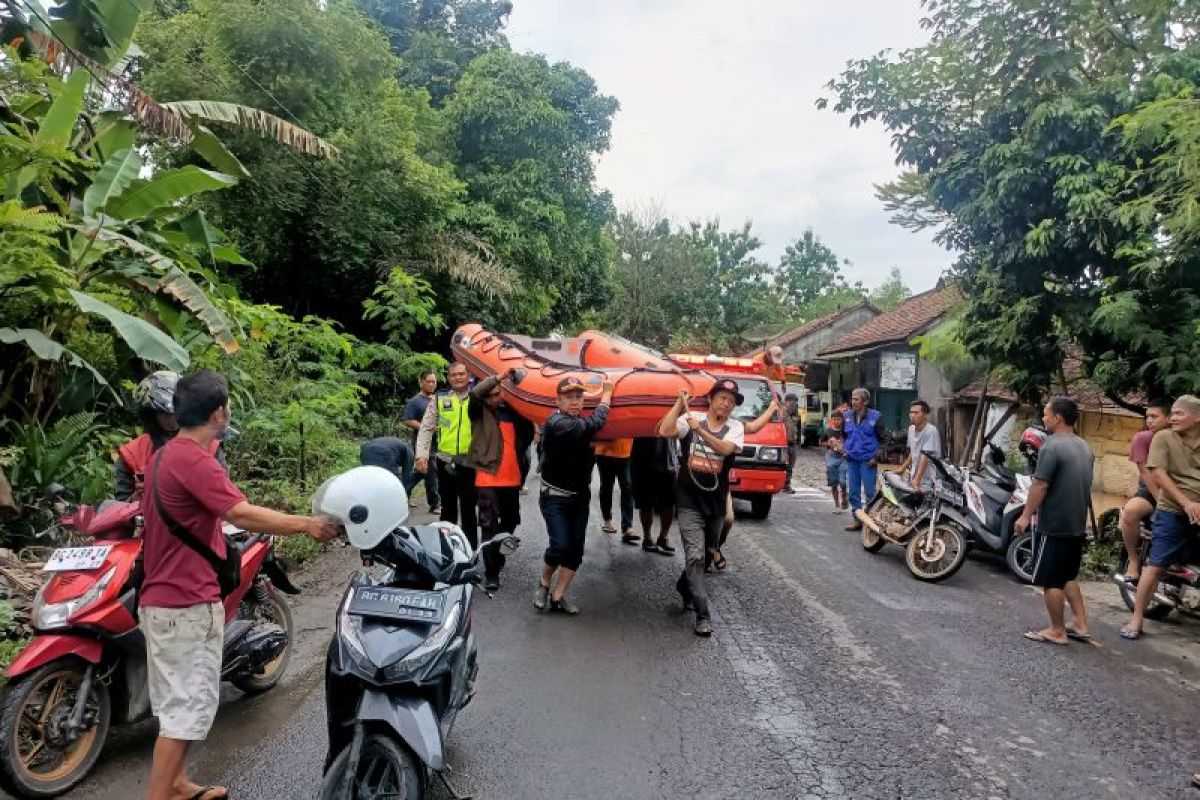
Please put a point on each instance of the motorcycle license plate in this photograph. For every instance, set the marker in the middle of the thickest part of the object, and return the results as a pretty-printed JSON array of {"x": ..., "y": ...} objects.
[
  {"x": 76, "y": 558},
  {"x": 408, "y": 605}
]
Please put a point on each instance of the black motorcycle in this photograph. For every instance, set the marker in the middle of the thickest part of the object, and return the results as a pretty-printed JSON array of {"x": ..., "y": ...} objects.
[{"x": 401, "y": 666}]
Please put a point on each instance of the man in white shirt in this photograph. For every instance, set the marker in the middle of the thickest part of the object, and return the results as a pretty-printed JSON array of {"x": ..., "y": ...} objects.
[
  {"x": 923, "y": 436},
  {"x": 708, "y": 443}
]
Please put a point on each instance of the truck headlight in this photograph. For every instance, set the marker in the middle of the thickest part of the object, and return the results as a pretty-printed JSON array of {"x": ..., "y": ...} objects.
[{"x": 770, "y": 454}]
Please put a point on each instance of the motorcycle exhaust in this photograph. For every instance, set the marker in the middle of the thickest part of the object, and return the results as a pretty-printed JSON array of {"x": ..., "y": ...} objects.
[{"x": 862, "y": 516}]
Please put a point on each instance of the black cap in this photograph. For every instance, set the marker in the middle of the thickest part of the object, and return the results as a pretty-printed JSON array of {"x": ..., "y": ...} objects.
[{"x": 726, "y": 385}]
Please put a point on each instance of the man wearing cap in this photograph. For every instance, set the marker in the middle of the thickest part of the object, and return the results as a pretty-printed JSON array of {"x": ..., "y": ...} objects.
[
  {"x": 708, "y": 443},
  {"x": 567, "y": 461}
]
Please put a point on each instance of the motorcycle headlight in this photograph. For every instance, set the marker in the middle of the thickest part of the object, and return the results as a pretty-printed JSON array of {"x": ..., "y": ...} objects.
[
  {"x": 50, "y": 616},
  {"x": 770, "y": 454},
  {"x": 420, "y": 656},
  {"x": 351, "y": 627}
]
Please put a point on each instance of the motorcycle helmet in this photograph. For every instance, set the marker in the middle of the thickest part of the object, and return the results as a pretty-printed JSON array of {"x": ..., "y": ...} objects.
[
  {"x": 156, "y": 391},
  {"x": 370, "y": 502},
  {"x": 1031, "y": 442}
]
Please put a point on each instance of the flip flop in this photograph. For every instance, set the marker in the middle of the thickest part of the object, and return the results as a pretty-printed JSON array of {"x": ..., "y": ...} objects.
[
  {"x": 665, "y": 547},
  {"x": 1038, "y": 636},
  {"x": 1130, "y": 632},
  {"x": 608, "y": 527},
  {"x": 629, "y": 537},
  {"x": 203, "y": 794},
  {"x": 1196, "y": 779},
  {"x": 719, "y": 562},
  {"x": 1079, "y": 637}
]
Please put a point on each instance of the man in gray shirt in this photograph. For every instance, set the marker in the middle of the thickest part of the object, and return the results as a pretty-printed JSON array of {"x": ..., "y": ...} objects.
[
  {"x": 922, "y": 437},
  {"x": 1060, "y": 496}
]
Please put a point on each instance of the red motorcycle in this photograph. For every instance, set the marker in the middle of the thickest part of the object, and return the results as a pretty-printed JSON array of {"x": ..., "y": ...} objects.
[{"x": 85, "y": 668}]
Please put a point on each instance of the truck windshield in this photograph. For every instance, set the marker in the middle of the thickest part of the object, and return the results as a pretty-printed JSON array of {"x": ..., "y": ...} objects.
[{"x": 758, "y": 396}]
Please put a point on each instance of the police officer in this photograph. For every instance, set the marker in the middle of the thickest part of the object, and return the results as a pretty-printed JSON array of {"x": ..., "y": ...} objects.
[{"x": 456, "y": 481}]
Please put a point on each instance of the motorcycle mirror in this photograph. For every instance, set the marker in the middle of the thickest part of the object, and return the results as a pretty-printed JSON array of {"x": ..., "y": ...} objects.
[{"x": 507, "y": 544}]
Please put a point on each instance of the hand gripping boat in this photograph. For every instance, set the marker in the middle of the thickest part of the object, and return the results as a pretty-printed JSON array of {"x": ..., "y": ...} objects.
[{"x": 641, "y": 397}]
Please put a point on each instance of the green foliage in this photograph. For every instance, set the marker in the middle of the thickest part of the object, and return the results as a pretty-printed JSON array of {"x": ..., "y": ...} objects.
[
  {"x": 402, "y": 305},
  {"x": 891, "y": 292},
  {"x": 943, "y": 347},
  {"x": 1054, "y": 146}
]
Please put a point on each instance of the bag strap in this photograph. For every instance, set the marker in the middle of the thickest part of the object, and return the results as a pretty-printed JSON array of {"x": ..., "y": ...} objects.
[{"x": 181, "y": 533}]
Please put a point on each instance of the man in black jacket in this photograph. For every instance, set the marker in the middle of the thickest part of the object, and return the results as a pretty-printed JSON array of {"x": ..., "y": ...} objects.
[{"x": 566, "y": 489}]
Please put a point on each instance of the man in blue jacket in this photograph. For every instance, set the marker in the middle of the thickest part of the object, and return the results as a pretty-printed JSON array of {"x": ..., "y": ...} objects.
[{"x": 864, "y": 448}]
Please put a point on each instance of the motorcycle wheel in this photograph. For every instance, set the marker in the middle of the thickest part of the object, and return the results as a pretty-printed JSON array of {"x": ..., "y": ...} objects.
[
  {"x": 872, "y": 542},
  {"x": 945, "y": 555},
  {"x": 1155, "y": 610},
  {"x": 276, "y": 611},
  {"x": 385, "y": 770},
  {"x": 36, "y": 758},
  {"x": 1020, "y": 557}
]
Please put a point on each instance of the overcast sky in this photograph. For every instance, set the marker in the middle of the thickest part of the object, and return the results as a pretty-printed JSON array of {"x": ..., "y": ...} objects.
[{"x": 717, "y": 115}]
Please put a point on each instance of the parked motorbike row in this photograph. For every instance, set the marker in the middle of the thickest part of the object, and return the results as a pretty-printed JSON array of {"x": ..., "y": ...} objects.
[
  {"x": 966, "y": 509},
  {"x": 401, "y": 665}
]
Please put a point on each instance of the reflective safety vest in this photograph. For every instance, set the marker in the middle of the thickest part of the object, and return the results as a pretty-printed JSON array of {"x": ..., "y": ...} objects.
[{"x": 454, "y": 426}]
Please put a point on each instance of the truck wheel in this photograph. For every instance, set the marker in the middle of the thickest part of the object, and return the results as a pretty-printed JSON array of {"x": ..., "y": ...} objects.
[{"x": 760, "y": 506}]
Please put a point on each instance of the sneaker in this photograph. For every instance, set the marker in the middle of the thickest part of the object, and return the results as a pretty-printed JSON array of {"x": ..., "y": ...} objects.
[
  {"x": 703, "y": 628},
  {"x": 541, "y": 595},
  {"x": 564, "y": 606},
  {"x": 491, "y": 584}
]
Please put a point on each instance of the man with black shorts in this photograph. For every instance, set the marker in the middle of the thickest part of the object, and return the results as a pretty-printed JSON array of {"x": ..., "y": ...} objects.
[
  {"x": 1145, "y": 500},
  {"x": 653, "y": 463},
  {"x": 1060, "y": 496}
]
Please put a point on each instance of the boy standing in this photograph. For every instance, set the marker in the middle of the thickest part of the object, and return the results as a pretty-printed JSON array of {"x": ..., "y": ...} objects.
[{"x": 834, "y": 442}]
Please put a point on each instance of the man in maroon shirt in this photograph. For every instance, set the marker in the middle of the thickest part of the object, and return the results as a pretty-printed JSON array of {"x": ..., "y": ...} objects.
[
  {"x": 1145, "y": 500},
  {"x": 182, "y": 616}
]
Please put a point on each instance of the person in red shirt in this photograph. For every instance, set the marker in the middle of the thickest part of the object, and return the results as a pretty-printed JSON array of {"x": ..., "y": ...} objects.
[
  {"x": 500, "y": 441},
  {"x": 181, "y": 616},
  {"x": 1145, "y": 499}
]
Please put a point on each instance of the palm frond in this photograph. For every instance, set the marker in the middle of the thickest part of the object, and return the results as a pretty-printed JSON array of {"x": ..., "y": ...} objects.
[{"x": 464, "y": 257}]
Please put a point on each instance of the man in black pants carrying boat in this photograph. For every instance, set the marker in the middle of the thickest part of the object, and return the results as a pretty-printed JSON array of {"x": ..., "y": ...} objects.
[
  {"x": 566, "y": 490},
  {"x": 709, "y": 442}
]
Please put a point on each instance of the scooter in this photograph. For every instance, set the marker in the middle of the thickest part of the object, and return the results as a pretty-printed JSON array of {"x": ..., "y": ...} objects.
[
  {"x": 986, "y": 504},
  {"x": 401, "y": 666},
  {"x": 85, "y": 668}
]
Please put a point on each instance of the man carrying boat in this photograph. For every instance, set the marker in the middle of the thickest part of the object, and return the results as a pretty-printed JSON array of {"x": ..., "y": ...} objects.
[
  {"x": 566, "y": 492},
  {"x": 709, "y": 442}
]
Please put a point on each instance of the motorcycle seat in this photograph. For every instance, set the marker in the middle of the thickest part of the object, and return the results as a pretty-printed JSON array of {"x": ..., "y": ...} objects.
[
  {"x": 993, "y": 491},
  {"x": 1003, "y": 476}
]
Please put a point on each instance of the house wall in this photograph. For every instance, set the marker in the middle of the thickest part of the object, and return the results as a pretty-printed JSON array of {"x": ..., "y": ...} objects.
[{"x": 806, "y": 349}]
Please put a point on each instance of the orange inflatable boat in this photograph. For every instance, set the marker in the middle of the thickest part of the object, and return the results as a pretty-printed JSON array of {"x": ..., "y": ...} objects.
[{"x": 641, "y": 395}]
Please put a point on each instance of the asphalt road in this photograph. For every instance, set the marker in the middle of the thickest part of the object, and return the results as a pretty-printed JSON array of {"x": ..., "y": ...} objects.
[{"x": 832, "y": 674}]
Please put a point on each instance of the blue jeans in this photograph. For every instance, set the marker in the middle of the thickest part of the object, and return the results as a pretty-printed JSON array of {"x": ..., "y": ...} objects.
[
  {"x": 861, "y": 479},
  {"x": 566, "y": 526},
  {"x": 1172, "y": 540}
]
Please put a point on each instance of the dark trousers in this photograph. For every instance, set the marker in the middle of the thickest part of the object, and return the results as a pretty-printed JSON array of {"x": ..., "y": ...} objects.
[
  {"x": 457, "y": 486},
  {"x": 791, "y": 452},
  {"x": 431, "y": 485},
  {"x": 699, "y": 533},
  {"x": 566, "y": 524},
  {"x": 499, "y": 513},
  {"x": 615, "y": 470}
]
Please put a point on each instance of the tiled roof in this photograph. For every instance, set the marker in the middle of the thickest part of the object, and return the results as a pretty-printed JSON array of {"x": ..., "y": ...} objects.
[
  {"x": 1087, "y": 395},
  {"x": 812, "y": 326},
  {"x": 900, "y": 324}
]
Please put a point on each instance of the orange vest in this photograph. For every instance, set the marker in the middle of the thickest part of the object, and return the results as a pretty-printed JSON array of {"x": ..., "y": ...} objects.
[
  {"x": 136, "y": 452},
  {"x": 508, "y": 475},
  {"x": 617, "y": 448}
]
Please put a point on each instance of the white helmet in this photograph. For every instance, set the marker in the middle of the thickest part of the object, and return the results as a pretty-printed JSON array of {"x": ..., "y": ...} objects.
[{"x": 369, "y": 501}]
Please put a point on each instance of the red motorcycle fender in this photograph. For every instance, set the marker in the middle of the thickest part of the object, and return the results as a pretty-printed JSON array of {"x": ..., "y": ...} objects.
[{"x": 51, "y": 647}]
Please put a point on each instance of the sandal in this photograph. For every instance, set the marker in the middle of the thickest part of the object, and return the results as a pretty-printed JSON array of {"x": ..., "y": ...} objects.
[
  {"x": 648, "y": 545},
  {"x": 608, "y": 527},
  {"x": 629, "y": 537},
  {"x": 664, "y": 546},
  {"x": 1086, "y": 638},
  {"x": 719, "y": 561},
  {"x": 1038, "y": 636},
  {"x": 203, "y": 794},
  {"x": 1130, "y": 632}
]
